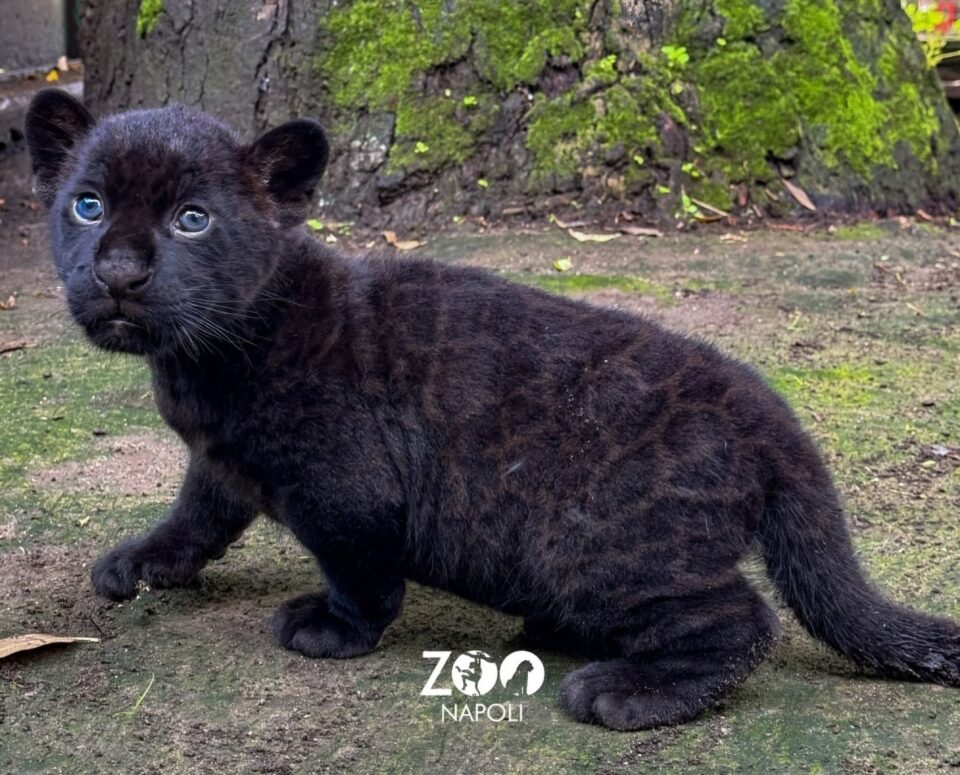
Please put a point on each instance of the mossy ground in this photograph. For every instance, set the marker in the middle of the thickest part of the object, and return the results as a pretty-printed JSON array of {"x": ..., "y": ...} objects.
[{"x": 859, "y": 329}]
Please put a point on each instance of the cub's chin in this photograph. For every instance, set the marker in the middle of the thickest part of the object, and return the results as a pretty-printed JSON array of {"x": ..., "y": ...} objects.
[{"x": 121, "y": 335}]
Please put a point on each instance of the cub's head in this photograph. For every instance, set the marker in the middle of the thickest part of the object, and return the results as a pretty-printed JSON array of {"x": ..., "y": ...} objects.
[{"x": 164, "y": 225}]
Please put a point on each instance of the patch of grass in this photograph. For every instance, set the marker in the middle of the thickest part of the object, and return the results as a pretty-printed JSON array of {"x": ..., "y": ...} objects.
[
  {"x": 869, "y": 417},
  {"x": 54, "y": 401},
  {"x": 51, "y": 397},
  {"x": 831, "y": 278},
  {"x": 584, "y": 283},
  {"x": 857, "y": 232},
  {"x": 578, "y": 283}
]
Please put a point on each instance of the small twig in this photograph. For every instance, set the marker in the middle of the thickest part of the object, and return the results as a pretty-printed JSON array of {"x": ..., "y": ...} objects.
[
  {"x": 710, "y": 207},
  {"x": 97, "y": 625}
]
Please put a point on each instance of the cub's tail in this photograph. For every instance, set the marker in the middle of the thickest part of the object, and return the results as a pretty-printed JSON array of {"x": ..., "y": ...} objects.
[{"x": 811, "y": 560}]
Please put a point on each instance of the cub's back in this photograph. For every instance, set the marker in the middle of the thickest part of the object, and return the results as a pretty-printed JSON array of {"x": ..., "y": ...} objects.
[{"x": 530, "y": 416}]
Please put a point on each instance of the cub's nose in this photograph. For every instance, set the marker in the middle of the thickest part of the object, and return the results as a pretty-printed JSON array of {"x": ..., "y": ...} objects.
[{"x": 123, "y": 274}]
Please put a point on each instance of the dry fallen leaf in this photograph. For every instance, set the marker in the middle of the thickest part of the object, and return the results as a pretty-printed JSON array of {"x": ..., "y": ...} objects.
[
  {"x": 708, "y": 217},
  {"x": 10, "y": 303},
  {"x": 733, "y": 238},
  {"x": 924, "y": 215},
  {"x": 641, "y": 231},
  {"x": 399, "y": 244},
  {"x": 800, "y": 195},
  {"x": 567, "y": 224},
  {"x": 52, "y": 77},
  {"x": 35, "y": 640},
  {"x": 581, "y": 236},
  {"x": 12, "y": 346},
  {"x": 710, "y": 207}
]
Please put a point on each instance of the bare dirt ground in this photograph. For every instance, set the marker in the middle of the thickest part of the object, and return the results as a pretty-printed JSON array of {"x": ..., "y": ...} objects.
[{"x": 858, "y": 326}]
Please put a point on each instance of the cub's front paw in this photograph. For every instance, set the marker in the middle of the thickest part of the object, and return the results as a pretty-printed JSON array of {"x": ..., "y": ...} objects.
[
  {"x": 117, "y": 575},
  {"x": 305, "y": 624}
]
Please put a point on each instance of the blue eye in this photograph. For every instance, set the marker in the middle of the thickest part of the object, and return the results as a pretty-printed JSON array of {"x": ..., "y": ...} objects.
[
  {"x": 192, "y": 220},
  {"x": 88, "y": 208}
]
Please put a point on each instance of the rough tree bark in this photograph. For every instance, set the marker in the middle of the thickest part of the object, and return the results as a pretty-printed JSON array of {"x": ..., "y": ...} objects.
[{"x": 446, "y": 107}]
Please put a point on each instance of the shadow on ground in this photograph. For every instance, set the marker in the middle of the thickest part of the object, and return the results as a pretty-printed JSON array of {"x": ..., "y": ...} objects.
[{"x": 859, "y": 328}]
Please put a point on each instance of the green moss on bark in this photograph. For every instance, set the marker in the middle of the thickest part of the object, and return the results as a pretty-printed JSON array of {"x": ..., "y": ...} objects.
[
  {"x": 813, "y": 92},
  {"x": 382, "y": 53},
  {"x": 575, "y": 130},
  {"x": 750, "y": 84},
  {"x": 430, "y": 135},
  {"x": 743, "y": 17},
  {"x": 147, "y": 16}
]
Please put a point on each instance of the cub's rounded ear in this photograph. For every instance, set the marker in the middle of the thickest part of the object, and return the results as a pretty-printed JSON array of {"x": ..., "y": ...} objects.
[
  {"x": 290, "y": 159},
  {"x": 55, "y": 122}
]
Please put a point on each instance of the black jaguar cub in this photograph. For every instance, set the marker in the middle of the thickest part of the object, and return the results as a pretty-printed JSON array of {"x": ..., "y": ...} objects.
[{"x": 580, "y": 467}]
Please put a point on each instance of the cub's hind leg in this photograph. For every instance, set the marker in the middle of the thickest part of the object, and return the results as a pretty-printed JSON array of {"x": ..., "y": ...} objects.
[
  {"x": 680, "y": 658},
  {"x": 545, "y": 633}
]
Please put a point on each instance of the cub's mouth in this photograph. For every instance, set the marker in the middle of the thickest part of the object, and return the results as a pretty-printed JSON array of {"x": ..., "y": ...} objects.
[
  {"x": 118, "y": 325},
  {"x": 119, "y": 333}
]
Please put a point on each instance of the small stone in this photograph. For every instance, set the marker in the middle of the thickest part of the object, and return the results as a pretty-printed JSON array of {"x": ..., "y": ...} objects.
[
  {"x": 928, "y": 402},
  {"x": 616, "y": 154}
]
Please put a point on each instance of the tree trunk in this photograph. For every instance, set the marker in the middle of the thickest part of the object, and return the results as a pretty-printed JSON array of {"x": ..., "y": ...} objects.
[{"x": 667, "y": 108}]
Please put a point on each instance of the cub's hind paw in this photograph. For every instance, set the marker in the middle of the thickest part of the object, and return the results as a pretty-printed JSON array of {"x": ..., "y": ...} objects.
[
  {"x": 305, "y": 624},
  {"x": 619, "y": 694}
]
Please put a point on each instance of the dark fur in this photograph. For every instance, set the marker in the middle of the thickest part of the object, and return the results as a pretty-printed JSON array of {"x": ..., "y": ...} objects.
[{"x": 580, "y": 467}]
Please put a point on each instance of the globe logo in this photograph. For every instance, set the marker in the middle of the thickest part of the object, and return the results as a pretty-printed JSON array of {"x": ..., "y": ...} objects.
[{"x": 474, "y": 673}]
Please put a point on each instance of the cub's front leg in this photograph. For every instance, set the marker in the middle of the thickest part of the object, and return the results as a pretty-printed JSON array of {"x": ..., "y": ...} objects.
[
  {"x": 360, "y": 558},
  {"x": 203, "y": 522}
]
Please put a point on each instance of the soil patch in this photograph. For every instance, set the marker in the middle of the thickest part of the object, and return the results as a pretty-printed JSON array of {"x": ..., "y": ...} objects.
[
  {"x": 694, "y": 312},
  {"x": 141, "y": 464}
]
